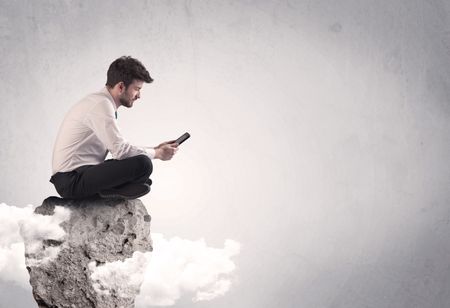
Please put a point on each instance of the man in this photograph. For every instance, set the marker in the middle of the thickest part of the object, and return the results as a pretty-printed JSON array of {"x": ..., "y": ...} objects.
[{"x": 89, "y": 131}]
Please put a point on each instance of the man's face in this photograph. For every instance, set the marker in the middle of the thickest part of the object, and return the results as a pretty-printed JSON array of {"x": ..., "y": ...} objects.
[{"x": 131, "y": 93}]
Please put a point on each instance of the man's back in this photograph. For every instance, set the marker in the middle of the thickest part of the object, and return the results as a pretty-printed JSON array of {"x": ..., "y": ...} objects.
[{"x": 77, "y": 142}]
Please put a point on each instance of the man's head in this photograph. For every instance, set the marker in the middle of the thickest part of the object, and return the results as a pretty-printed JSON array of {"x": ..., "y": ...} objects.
[{"x": 125, "y": 77}]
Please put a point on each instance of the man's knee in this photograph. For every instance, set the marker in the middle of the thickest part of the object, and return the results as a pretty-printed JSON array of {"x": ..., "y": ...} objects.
[{"x": 145, "y": 164}]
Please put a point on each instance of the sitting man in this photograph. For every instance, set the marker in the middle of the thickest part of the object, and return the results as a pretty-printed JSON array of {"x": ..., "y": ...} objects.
[{"x": 89, "y": 131}]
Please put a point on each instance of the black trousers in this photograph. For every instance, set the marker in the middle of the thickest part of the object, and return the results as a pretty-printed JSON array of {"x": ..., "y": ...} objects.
[{"x": 87, "y": 181}]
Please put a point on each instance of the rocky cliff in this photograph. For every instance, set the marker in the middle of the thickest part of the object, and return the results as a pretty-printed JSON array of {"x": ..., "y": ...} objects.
[{"x": 68, "y": 270}]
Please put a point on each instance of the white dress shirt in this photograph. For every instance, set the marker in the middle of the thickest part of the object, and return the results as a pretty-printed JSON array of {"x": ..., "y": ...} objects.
[{"x": 89, "y": 131}]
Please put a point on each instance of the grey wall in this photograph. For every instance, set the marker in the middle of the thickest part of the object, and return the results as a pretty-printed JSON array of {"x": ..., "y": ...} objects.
[{"x": 320, "y": 134}]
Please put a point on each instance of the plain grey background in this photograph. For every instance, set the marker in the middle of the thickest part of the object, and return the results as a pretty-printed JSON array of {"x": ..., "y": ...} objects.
[{"x": 320, "y": 135}]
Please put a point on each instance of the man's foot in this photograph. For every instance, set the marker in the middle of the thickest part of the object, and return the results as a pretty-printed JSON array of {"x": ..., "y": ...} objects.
[{"x": 129, "y": 191}]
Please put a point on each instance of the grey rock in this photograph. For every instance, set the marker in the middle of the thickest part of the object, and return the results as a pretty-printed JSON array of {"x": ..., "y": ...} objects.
[{"x": 99, "y": 231}]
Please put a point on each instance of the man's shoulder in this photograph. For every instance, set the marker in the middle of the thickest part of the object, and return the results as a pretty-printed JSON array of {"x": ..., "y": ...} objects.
[
  {"x": 98, "y": 97},
  {"x": 101, "y": 95},
  {"x": 97, "y": 101}
]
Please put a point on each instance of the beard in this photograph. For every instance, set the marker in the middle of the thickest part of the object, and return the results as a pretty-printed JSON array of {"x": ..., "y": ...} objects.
[{"x": 126, "y": 101}]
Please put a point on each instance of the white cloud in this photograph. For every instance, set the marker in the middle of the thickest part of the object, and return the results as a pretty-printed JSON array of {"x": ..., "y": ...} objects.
[
  {"x": 175, "y": 267},
  {"x": 35, "y": 228},
  {"x": 178, "y": 266},
  {"x": 17, "y": 224},
  {"x": 125, "y": 277},
  {"x": 12, "y": 251},
  {"x": 12, "y": 264}
]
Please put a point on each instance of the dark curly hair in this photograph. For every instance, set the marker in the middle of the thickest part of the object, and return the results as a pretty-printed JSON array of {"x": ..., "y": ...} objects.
[{"x": 126, "y": 69}]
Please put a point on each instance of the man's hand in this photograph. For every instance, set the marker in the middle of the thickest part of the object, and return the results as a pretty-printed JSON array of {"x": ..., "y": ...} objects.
[{"x": 166, "y": 150}]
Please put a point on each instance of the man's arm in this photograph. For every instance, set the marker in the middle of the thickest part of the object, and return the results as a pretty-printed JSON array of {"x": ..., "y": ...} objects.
[{"x": 102, "y": 121}]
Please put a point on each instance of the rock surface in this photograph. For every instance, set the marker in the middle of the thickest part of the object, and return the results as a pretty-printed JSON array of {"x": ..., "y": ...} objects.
[{"x": 97, "y": 232}]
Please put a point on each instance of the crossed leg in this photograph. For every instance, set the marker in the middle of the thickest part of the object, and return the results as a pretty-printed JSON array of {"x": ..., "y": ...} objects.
[{"x": 89, "y": 180}]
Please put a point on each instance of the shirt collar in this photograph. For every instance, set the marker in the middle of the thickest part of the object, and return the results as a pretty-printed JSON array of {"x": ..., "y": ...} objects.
[{"x": 106, "y": 92}]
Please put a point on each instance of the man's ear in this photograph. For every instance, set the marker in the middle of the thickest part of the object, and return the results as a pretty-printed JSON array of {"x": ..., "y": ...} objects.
[{"x": 120, "y": 86}]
